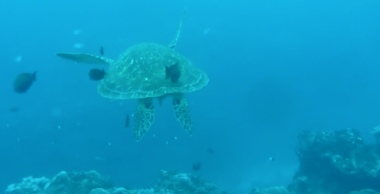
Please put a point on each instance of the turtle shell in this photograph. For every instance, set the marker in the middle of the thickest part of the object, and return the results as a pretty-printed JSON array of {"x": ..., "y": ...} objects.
[{"x": 140, "y": 72}]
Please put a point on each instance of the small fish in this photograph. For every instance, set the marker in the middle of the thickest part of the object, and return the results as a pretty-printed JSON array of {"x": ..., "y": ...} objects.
[
  {"x": 78, "y": 45},
  {"x": 173, "y": 72},
  {"x": 120, "y": 159},
  {"x": 101, "y": 50},
  {"x": 77, "y": 32},
  {"x": 272, "y": 159},
  {"x": 14, "y": 109},
  {"x": 210, "y": 151},
  {"x": 97, "y": 74},
  {"x": 23, "y": 82},
  {"x": 18, "y": 59},
  {"x": 197, "y": 166},
  {"x": 127, "y": 121},
  {"x": 99, "y": 158}
]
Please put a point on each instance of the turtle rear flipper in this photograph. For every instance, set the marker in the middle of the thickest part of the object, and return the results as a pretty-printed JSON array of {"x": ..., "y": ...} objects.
[
  {"x": 182, "y": 113},
  {"x": 144, "y": 118},
  {"x": 85, "y": 58}
]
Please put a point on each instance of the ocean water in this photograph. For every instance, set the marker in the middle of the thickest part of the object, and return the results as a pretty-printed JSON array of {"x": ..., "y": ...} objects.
[{"x": 275, "y": 68}]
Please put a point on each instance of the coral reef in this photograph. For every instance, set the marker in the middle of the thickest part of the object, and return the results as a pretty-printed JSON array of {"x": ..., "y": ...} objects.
[
  {"x": 330, "y": 160},
  {"x": 376, "y": 132},
  {"x": 77, "y": 182},
  {"x": 91, "y": 182},
  {"x": 334, "y": 162},
  {"x": 184, "y": 183},
  {"x": 63, "y": 183},
  {"x": 28, "y": 185},
  {"x": 271, "y": 190},
  {"x": 365, "y": 191}
]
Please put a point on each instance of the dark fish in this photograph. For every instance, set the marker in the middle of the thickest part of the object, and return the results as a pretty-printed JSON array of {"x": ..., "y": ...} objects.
[
  {"x": 197, "y": 166},
  {"x": 97, "y": 74},
  {"x": 101, "y": 51},
  {"x": 173, "y": 72},
  {"x": 127, "y": 121},
  {"x": 210, "y": 151},
  {"x": 23, "y": 82},
  {"x": 14, "y": 109}
]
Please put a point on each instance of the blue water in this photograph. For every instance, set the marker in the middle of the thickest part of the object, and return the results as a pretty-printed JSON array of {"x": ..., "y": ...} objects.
[{"x": 275, "y": 68}]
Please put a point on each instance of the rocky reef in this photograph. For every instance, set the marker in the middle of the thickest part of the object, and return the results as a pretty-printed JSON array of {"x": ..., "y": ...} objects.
[
  {"x": 184, "y": 183},
  {"x": 62, "y": 183},
  {"x": 91, "y": 182},
  {"x": 333, "y": 162},
  {"x": 336, "y": 162}
]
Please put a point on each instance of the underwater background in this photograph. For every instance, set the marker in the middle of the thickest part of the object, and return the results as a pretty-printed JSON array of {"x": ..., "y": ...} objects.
[{"x": 275, "y": 68}]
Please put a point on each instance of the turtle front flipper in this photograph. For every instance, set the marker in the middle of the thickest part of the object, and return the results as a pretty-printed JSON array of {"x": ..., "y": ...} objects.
[
  {"x": 182, "y": 113},
  {"x": 144, "y": 118},
  {"x": 85, "y": 58}
]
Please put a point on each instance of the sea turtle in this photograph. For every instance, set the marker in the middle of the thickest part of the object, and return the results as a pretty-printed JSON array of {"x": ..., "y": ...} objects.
[{"x": 146, "y": 71}]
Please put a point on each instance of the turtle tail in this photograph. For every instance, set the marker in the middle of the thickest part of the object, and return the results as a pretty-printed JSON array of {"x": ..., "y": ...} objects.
[{"x": 175, "y": 40}]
